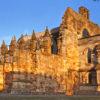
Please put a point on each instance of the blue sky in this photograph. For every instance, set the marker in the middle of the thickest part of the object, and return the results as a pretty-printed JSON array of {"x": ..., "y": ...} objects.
[{"x": 22, "y": 16}]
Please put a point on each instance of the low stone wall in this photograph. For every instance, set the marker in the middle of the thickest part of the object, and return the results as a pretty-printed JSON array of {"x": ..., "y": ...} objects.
[{"x": 88, "y": 88}]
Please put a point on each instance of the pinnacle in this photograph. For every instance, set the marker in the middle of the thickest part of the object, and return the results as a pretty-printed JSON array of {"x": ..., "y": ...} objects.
[
  {"x": 46, "y": 32},
  {"x": 33, "y": 36},
  {"x": 3, "y": 43},
  {"x": 14, "y": 37}
]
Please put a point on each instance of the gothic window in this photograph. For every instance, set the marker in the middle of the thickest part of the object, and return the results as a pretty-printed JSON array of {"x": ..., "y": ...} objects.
[
  {"x": 95, "y": 51},
  {"x": 85, "y": 33},
  {"x": 89, "y": 55},
  {"x": 54, "y": 46}
]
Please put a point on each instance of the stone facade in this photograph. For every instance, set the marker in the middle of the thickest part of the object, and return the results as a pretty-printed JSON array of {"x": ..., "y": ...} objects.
[{"x": 62, "y": 60}]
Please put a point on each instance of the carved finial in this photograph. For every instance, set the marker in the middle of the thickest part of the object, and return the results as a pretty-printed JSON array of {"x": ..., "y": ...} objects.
[
  {"x": 3, "y": 43},
  {"x": 33, "y": 41},
  {"x": 33, "y": 37},
  {"x": 21, "y": 42},
  {"x": 4, "y": 48},
  {"x": 46, "y": 42},
  {"x": 13, "y": 45},
  {"x": 47, "y": 33},
  {"x": 21, "y": 36},
  {"x": 14, "y": 37}
]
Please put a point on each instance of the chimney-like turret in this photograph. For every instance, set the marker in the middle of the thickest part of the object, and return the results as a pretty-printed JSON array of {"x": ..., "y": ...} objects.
[{"x": 84, "y": 12}]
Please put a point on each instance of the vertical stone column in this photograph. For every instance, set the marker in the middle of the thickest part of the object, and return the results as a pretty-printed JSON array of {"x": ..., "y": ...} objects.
[
  {"x": 71, "y": 54},
  {"x": 1, "y": 77},
  {"x": 97, "y": 66}
]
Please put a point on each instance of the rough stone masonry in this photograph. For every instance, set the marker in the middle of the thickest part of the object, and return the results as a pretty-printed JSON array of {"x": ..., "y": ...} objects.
[{"x": 61, "y": 60}]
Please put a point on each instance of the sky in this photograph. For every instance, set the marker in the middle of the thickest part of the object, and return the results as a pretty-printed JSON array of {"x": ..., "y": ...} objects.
[{"x": 22, "y": 16}]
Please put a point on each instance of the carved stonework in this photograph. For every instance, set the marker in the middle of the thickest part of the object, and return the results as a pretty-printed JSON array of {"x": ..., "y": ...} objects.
[{"x": 62, "y": 60}]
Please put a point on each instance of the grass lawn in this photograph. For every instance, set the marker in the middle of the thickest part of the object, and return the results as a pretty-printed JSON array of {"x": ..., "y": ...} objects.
[{"x": 49, "y": 97}]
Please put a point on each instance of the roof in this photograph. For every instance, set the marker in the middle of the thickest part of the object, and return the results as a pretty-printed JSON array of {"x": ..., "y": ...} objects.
[{"x": 39, "y": 34}]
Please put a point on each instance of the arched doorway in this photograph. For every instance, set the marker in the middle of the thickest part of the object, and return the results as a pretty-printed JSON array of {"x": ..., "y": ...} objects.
[{"x": 85, "y": 33}]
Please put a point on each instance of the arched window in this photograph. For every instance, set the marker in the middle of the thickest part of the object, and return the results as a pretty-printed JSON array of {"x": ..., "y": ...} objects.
[
  {"x": 95, "y": 56},
  {"x": 54, "y": 46},
  {"x": 85, "y": 33},
  {"x": 89, "y": 55}
]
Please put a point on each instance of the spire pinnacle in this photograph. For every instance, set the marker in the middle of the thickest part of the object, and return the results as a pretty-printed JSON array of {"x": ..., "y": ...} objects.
[
  {"x": 14, "y": 37},
  {"x": 33, "y": 37},
  {"x": 47, "y": 33},
  {"x": 13, "y": 41},
  {"x": 3, "y": 44},
  {"x": 4, "y": 48}
]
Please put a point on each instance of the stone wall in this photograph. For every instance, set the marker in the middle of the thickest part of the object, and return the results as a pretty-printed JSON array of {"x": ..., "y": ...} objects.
[
  {"x": 1, "y": 77},
  {"x": 41, "y": 71},
  {"x": 79, "y": 23}
]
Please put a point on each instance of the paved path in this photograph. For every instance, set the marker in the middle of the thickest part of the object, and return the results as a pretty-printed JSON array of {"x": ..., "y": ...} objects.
[{"x": 47, "y": 97}]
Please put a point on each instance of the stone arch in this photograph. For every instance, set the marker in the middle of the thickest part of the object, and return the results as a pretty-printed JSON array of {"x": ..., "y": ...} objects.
[
  {"x": 85, "y": 33},
  {"x": 88, "y": 55},
  {"x": 95, "y": 57}
]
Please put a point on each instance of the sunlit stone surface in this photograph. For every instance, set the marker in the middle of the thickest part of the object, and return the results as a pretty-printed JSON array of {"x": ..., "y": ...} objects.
[{"x": 62, "y": 60}]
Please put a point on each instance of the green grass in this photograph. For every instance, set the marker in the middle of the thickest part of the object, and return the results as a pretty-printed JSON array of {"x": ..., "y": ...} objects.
[{"x": 49, "y": 97}]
